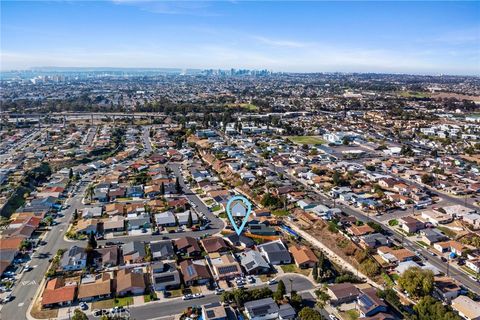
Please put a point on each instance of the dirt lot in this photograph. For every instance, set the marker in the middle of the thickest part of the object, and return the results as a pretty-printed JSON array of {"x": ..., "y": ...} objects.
[{"x": 443, "y": 95}]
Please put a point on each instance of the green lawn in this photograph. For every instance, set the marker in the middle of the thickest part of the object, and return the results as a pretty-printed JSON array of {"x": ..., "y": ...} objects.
[
  {"x": 448, "y": 232},
  {"x": 414, "y": 94},
  {"x": 393, "y": 222},
  {"x": 246, "y": 106},
  {"x": 423, "y": 244},
  {"x": 103, "y": 304},
  {"x": 306, "y": 139},
  {"x": 123, "y": 301},
  {"x": 216, "y": 207},
  {"x": 175, "y": 293},
  {"x": 280, "y": 213},
  {"x": 352, "y": 314},
  {"x": 292, "y": 268}
]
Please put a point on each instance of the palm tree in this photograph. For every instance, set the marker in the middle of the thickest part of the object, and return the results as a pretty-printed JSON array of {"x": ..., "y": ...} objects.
[{"x": 90, "y": 191}]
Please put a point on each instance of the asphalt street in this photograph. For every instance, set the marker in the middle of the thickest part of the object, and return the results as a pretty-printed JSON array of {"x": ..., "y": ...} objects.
[
  {"x": 28, "y": 282},
  {"x": 161, "y": 309}
]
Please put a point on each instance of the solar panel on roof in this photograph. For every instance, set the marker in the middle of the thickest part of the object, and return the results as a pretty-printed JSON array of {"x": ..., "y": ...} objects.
[
  {"x": 366, "y": 301},
  {"x": 260, "y": 310},
  {"x": 191, "y": 270},
  {"x": 167, "y": 278},
  {"x": 210, "y": 313}
]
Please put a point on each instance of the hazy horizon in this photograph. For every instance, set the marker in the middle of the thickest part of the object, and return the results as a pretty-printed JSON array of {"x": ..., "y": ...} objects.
[{"x": 425, "y": 38}]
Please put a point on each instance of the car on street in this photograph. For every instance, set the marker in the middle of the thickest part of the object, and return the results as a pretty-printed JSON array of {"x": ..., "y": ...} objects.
[
  {"x": 332, "y": 317},
  {"x": 187, "y": 297},
  {"x": 272, "y": 281},
  {"x": 83, "y": 306}
]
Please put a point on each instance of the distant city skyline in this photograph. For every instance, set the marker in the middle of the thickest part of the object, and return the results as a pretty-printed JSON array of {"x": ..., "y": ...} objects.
[{"x": 382, "y": 37}]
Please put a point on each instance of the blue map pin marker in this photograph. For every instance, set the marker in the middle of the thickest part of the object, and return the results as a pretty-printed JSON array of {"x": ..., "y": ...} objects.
[{"x": 238, "y": 207}]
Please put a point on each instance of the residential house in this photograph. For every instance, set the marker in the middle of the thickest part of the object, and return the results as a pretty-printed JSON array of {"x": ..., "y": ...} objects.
[
  {"x": 431, "y": 236},
  {"x": 360, "y": 230},
  {"x": 342, "y": 293},
  {"x": 275, "y": 252},
  {"x": 263, "y": 309},
  {"x": 135, "y": 191},
  {"x": 114, "y": 224},
  {"x": 253, "y": 262},
  {"x": 58, "y": 293},
  {"x": 182, "y": 217},
  {"x": 466, "y": 307},
  {"x": 74, "y": 259},
  {"x": 214, "y": 311},
  {"x": 87, "y": 226},
  {"x": 134, "y": 252},
  {"x": 369, "y": 304},
  {"x": 239, "y": 240},
  {"x": 194, "y": 272},
  {"x": 130, "y": 281},
  {"x": 162, "y": 250},
  {"x": 188, "y": 245},
  {"x": 410, "y": 224},
  {"x": 106, "y": 257},
  {"x": 214, "y": 244},
  {"x": 303, "y": 256},
  {"x": 286, "y": 312},
  {"x": 373, "y": 241},
  {"x": 93, "y": 287},
  {"x": 224, "y": 266},
  {"x": 445, "y": 289},
  {"x": 164, "y": 276},
  {"x": 394, "y": 256},
  {"x": 165, "y": 219}
]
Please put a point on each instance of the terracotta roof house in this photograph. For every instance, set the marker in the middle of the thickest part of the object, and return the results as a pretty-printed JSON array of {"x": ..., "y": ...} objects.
[
  {"x": 194, "y": 272},
  {"x": 214, "y": 244},
  {"x": 130, "y": 281},
  {"x": 342, "y": 293},
  {"x": 360, "y": 230},
  {"x": 95, "y": 287},
  {"x": 303, "y": 256},
  {"x": 58, "y": 293},
  {"x": 188, "y": 245}
]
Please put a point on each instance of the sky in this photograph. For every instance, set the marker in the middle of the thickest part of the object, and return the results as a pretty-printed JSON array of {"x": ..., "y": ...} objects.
[{"x": 291, "y": 36}]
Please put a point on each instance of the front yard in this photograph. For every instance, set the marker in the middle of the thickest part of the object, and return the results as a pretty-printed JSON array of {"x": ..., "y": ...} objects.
[{"x": 292, "y": 268}]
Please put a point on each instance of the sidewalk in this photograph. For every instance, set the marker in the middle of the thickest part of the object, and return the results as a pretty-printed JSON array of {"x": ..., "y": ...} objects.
[{"x": 330, "y": 254}]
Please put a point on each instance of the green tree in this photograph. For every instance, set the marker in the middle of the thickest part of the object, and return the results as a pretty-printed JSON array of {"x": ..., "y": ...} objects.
[
  {"x": 428, "y": 308},
  {"x": 92, "y": 242},
  {"x": 162, "y": 189},
  {"x": 417, "y": 282},
  {"x": 309, "y": 314},
  {"x": 79, "y": 315},
  {"x": 322, "y": 297},
  {"x": 315, "y": 272},
  {"x": 280, "y": 292},
  {"x": 427, "y": 178},
  {"x": 369, "y": 267},
  {"x": 190, "y": 220},
  {"x": 178, "y": 187}
]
